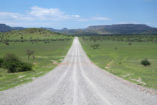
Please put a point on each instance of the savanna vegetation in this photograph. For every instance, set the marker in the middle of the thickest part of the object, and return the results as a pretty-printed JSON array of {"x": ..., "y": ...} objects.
[
  {"x": 34, "y": 52},
  {"x": 132, "y": 57}
]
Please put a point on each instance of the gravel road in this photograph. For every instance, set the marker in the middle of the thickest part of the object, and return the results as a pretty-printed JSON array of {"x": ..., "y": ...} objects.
[{"x": 77, "y": 81}]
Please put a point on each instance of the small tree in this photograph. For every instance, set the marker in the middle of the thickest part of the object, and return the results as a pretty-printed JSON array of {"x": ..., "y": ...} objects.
[
  {"x": 21, "y": 38},
  {"x": 145, "y": 62},
  {"x": 29, "y": 53}
]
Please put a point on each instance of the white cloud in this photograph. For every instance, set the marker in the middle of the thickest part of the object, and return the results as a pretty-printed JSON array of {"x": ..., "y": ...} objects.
[
  {"x": 44, "y": 15},
  {"x": 76, "y": 16},
  {"x": 47, "y": 13},
  {"x": 50, "y": 14},
  {"x": 37, "y": 11}
]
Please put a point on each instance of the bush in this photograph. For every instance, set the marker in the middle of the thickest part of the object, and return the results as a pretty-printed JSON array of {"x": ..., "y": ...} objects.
[
  {"x": 25, "y": 67},
  {"x": 145, "y": 62},
  {"x": 13, "y": 64},
  {"x": 1, "y": 61}
]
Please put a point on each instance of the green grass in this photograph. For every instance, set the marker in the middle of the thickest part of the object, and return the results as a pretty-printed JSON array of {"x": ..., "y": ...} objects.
[
  {"x": 46, "y": 58},
  {"x": 47, "y": 55},
  {"x": 124, "y": 60}
]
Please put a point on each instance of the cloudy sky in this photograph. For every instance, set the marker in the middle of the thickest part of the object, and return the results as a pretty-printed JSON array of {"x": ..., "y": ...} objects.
[{"x": 77, "y": 13}]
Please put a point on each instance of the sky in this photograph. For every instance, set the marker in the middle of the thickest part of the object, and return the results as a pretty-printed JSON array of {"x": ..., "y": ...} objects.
[{"x": 77, "y": 13}]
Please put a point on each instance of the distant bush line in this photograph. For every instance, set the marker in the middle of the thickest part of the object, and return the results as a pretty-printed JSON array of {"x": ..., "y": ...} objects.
[
  {"x": 33, "y": 41},
  {"x": 128, "y": 38}
]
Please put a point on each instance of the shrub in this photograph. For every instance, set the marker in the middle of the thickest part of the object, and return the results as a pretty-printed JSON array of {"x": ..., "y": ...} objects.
[
  {"x": 13, "y": 64},
  {"x": 12, "y": 67},
  {"x": 145, "y": 62},
  {"x": 25, "y": 67},
  {"x": 1, "y": 61}
]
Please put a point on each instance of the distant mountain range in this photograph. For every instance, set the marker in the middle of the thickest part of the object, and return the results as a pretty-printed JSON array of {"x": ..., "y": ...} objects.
[
  {"x": 111, "y": 29},
  {"x": 6, "y": 28},
  {"x": 122, "y": 29},
  {"x": 97, "y": 30}
]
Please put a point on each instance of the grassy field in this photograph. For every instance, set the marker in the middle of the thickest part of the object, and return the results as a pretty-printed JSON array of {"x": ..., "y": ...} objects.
[
  {"x": 123, "y": 58},
  {"x": 46, "y": 57},
  {"x": 31, "y": 34}
]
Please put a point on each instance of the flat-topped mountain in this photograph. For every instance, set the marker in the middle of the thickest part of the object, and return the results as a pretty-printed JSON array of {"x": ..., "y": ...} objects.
[
  {"x": 112, "y": 29},
  {"x": 123, "y": 29}
]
